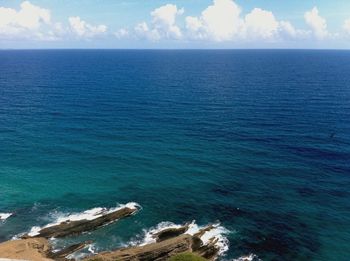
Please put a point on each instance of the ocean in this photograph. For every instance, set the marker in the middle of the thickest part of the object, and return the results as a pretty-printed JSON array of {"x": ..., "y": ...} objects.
[{"x": 258, "y": 140}]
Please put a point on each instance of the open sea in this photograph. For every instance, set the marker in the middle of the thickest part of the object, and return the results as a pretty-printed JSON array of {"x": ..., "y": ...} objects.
[{"x": 258, "y": 140}]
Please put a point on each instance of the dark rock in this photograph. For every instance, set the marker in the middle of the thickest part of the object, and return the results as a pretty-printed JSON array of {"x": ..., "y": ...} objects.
[
  {"x": 196, "y": 243},
  {"x": 159, "y": 251},
  {"x": 62, "y": 254},
  {"x": 163, "y": 249},
  {"x": 170, "y": 233},
  {"x": 209, "y": 251},
  {"x": 76, "y": 227}
]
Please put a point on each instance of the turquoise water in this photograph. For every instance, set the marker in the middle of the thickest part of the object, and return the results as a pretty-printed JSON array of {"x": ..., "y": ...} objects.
[{"x": 258, "y": 140}]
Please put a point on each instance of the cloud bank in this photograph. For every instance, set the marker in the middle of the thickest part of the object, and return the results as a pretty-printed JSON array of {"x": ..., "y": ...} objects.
[
  {"x": 222, "y": 21},
  {"x": 35, "y": 23},
  {"x": 83, "y": 29},
  {"x": 28, "y": 21},
  {"x": 317, "y": 23}
]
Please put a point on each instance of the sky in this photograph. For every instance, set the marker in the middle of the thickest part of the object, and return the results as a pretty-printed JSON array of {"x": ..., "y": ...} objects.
[{"x": 175, "y": 24}]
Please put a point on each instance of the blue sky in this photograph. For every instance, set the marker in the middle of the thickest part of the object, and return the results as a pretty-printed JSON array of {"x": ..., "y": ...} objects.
[{"x": 175, "y": 24}]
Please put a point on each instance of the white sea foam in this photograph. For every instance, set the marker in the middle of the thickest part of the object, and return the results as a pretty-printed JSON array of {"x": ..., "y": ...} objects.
[
  {"x": 90, "y": 214},
  {"x": 4, "y": 216},
  {"x": 250, "y": 257},
  {"x": 92, "y": 249},
  {"x": 150, "y": 237},
  {"x": 79, "y": 255},
  {"x": 88, "y": 250},
  {"x": 217, "y": 233}
]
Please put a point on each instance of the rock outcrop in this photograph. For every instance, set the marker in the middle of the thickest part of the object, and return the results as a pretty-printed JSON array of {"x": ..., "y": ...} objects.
[
  {"x": 156, "y": 251},
  {"x": 164, "y": 243},
  {"x": 170, "y": 233},
  {"x": 35, "y": 249},
  {"x": 69, "y": 228},
  {"x": 169, "y": 242},
  {"x": 63, "y": 253}
]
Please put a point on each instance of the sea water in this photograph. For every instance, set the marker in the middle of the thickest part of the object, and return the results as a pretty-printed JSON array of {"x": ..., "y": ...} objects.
[{"x": 257, "y": 141}]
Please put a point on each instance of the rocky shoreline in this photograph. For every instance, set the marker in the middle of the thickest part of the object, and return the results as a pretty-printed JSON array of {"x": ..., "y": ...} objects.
[{"x": 166, "y": 243}]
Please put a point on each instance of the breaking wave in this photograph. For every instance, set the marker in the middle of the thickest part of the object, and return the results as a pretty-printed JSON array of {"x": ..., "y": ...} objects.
[
  {"x": 250, "y": 257},
  {"x": 90, "y": 214},
  {"x": 4, "y": 216},
  {"x": 218, "y": 233}
]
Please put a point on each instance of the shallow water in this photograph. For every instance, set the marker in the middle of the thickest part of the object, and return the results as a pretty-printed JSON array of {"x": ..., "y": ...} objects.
[{"x": 258, "y": 140}]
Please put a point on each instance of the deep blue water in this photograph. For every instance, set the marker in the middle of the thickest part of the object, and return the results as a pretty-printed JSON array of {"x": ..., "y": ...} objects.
[{"x": 259, "y": 140}]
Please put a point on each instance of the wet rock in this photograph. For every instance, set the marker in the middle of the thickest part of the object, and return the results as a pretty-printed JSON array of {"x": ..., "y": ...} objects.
[
  {"x": 170, "y": 233},
  {"x": 169, "y": 243},
  {"x": 62, "y": 254},
  {"x": 159, "y": 251},
  {"x": 77, "y": 227},
  {"x": 208, "y": 251}
]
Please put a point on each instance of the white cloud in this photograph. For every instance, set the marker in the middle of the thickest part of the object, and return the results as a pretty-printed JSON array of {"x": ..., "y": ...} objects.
[
  {"x": 317, "y": 23},
  {"x": 122, "y": 33},
  {"x": 195, "y": 28},
  {"x": 141, "y": 28},
  {"x": 164, "y": 21},
  {"x": 346, "y": 26},
  {"x": 27, "y": 21},
  {"x": 83, "y": 29},
  {"x": 220, "y": 21},
  {"x": 34, "y": 23},
  {"x": 260, "y": 23},
  {"x": 287, "y": 28},
  {"x": 163, "y": 24},
  {"x": 143, "y": 31},
  {"x": 288, "y": 31},
  {"x": 193, "y": 23}
]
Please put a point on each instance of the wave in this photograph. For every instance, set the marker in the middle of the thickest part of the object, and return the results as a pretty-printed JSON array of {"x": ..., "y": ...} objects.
[
  {"x": 4, "y": 216},
  {"x": 90, "y": 214},
  {"x": 250, "y": 257},
  {"x": 218, "y": 233}
]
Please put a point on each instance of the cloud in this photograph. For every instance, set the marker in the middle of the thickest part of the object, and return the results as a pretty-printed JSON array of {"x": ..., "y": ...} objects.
[
  {"x": 261, "y": 24},
  {"x": 193, "y": 23},
  {"x": 85, "y": 30},
  {"x": 32, "y": 22},
  {"x": 287, "y": 28},
  {"x": 163, "y": 25},
  {"x": 164, "y": 19},
  {"x": 122, "y": 33},
  {"x": 141, "y": 28},
  {"x": 346, "y": 26},
  {"x": 27, "y": 21},
  {"x": 143, "y": 31},
  {"x": 220, "y": 21},
  {"x": 317, "y": 23}
]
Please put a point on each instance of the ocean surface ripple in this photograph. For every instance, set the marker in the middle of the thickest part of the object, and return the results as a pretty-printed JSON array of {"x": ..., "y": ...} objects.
[{"x": 258, "y": 141}]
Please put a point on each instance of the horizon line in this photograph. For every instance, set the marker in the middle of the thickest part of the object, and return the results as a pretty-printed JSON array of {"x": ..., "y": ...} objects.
[{"x": 180, "y": 49}]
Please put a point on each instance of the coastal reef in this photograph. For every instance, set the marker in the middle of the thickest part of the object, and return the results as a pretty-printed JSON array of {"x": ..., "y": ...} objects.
[{"x": 167, "y": 241}]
